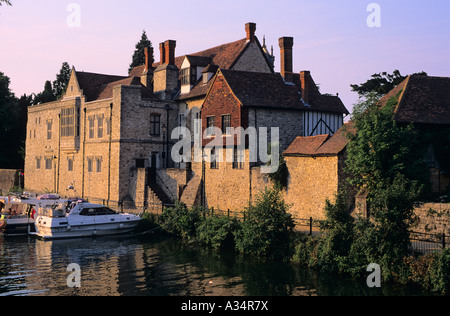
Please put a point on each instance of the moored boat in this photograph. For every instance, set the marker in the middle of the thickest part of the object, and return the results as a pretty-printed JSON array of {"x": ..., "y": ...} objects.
[{"x": 82, "y": 219}]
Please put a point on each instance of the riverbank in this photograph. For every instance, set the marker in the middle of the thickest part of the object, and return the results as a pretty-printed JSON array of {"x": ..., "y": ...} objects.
[{"x": 267, "y": 234}]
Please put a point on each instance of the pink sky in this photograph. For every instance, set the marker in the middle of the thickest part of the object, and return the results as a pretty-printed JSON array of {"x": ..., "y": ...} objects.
[{"x": 331, "y": 38}]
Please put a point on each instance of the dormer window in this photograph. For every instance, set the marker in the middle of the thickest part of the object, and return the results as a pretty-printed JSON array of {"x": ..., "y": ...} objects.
[
  {"x": 206, "y": 77},
  {"x": 185, "y": 76}
]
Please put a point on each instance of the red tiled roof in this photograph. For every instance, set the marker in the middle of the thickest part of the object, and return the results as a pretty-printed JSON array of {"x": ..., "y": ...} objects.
[
  {"x": 321, "y": 145},
  {"x": 256, "y": 89}
]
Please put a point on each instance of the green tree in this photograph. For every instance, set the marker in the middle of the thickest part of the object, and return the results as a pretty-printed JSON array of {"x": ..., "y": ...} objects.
[
  {"x": 387, "y": 160},
  {"x": 13, "y": 118},
  {"x": 62, "y": 80},
  {"x": 46, "y": 95},
  {"x": 138, "y": 58},
  {"x": 380, "y": 83},
  {"x": 267, "y": 229}
]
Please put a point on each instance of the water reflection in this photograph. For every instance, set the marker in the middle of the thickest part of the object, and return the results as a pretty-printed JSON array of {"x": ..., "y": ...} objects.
[{"x": 158, "y": 266}]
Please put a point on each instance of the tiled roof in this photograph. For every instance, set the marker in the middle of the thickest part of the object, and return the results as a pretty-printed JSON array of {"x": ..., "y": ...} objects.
[
  {"x": 321, "y": 145},
  {"x": 256, "y": 89},
  {"x": 92, "y": 84},
  {"x": 100, "y": 87},
  {"x": 425, "y": 100},
  {"x": 318, "y": 101}
]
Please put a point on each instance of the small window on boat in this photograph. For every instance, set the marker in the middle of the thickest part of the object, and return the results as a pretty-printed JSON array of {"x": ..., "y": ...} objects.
[{"x": 96, "y": 211}]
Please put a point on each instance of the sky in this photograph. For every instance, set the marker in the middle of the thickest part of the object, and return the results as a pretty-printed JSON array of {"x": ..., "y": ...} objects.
[{"x": 341, "y": 42}]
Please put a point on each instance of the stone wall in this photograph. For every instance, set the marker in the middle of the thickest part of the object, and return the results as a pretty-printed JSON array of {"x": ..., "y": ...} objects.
[
  {"x": 252, "y": 60},
  {"x": 9, "y": 178},
  {"x": 432, "y": 218},
  {"x": 312, "y": 180}
]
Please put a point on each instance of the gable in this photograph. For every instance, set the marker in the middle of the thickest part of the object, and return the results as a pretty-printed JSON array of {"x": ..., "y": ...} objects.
[
  {"x": 73, "y": 87},
  {"x": 252, "y": 59}
]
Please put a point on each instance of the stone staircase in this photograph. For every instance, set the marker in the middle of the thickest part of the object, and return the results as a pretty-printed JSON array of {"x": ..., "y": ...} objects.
[
  {"x": 192, "y": 193},
  {"x": 156, "y": 193}
]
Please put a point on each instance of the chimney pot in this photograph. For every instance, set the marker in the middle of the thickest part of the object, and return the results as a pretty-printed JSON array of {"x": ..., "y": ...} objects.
[
  {"x": 305, "y": 82},
  {"x": 170, "y": 52},
  {"x": 162, "y": 51},
  {"x": 148, "y": 57},
  {"x": 286, "y": 44},
  {"x": 250, "y": 29}
]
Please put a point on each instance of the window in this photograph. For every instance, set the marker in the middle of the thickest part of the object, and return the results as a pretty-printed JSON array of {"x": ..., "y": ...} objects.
[
  {"x": 108, "y": 127},
  {"x": 90, "y": 163},
  {"x": 226, "y": 123},
  {"x": 68, "y": 122},
  {"x": 69, "y": 164},
  {"x": 185, "y": 76},
  {"x": 49, "y": 129},
  {"x": 48, "y": 163},
  {"x": 100, "y": 119},
  {"x": 210, "y": 124},
  {"x": 98, "y": 164},
  {"x": 238, "y": 159},
  {"x": 140, "y": 163},
  {"x": 155, "y": 125},
  {"x": 96, "y": 211},
  {"x": 91, "y": 126},
  {"x": 214, "y": 159},
  {"x": 38, "y": 163}
]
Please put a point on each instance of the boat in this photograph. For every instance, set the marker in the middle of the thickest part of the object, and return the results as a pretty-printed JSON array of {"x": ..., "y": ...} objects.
[
  {"x": 17, "y": 214},
  {"x": 82, "y": 219}
]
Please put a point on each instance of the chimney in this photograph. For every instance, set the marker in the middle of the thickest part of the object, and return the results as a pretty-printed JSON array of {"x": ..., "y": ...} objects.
[
  {"x": 305, "y": 82},
  {"x": 162, "y": 51},
  {"x": 170, "y": 52},
  {"x": 250, "y": 29},
  {"x": 286, "y": 44},
  {"x": 148, "y": 51}
]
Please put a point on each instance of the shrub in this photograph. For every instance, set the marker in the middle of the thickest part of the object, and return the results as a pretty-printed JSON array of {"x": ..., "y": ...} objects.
[
  {"x": 337, "y": 237},
  {"x": 181, "y": 220},
  {"x": 267, "y": 230},
  {"x": 216, "y": 231}
]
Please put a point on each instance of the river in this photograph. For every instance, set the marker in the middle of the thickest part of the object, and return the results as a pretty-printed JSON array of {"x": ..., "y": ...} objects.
[{"x": 159, "y": 266}]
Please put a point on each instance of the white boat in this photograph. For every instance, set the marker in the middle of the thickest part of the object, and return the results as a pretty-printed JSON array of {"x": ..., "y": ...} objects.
[
  {"x": 17, "y": 214},
  {"x": 82, "y": 219}
]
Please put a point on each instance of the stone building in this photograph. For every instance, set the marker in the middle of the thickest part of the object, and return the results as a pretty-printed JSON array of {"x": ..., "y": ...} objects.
[{"x": 108, "y": 138}]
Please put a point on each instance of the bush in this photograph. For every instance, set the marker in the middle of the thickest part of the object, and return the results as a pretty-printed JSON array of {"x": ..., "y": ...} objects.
[
  {"x": 216, "y": 231},
  {"x": 337, "y": 238},
  {"x": 268, "y": 228},
  {"x": 181, "y": 220},
  {"x": 439, "y": 272}
]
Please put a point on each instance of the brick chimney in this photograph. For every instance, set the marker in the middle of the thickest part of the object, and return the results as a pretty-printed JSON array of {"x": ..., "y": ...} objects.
[
  {"x": 169, "y": 47},
  {"x": 305, "y": 82},
  {"x": 162, "y": 52},
  {"x": 286, "y": 44},
  {"x": 250, "y": 29},
  {"x": 148, "y": 51}
]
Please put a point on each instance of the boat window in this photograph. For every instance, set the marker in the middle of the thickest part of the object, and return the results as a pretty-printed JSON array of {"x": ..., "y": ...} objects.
[{"x": 96, "y": 211}]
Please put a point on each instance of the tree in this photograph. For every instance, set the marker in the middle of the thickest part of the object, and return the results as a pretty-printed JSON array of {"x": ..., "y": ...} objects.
[
  {"x": 138, "y": 58},
  {"x": 46, "y": 95},
  {"x": 387, "y": 160},
  {"x": 267, "y": 228},
  {"x": 13, "y": 119},
  {"x": 62, "y": 80},
  {"x": 380, "y": 83},
  {"x": 7, "y": 2}
]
